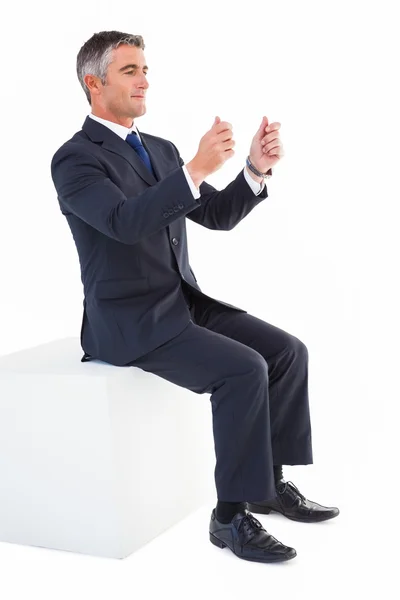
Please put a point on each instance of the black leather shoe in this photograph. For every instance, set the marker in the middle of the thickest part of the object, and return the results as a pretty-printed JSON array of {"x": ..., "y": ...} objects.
[
  {"x": 248, "y": 539},
  {"x": 293, "y": 505}
]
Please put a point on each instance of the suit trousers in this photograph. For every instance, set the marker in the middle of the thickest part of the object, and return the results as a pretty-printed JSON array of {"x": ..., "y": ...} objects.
[{"x": 257, "y": 375}]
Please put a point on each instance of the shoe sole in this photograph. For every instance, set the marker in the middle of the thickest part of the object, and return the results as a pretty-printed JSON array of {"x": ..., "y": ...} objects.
[
  {"x": 265, "y": 511},
  {"x": 214, "y": 540}
]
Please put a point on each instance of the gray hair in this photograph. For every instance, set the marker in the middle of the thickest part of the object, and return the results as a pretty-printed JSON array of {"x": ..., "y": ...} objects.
[{"x": 96, "y": 54}]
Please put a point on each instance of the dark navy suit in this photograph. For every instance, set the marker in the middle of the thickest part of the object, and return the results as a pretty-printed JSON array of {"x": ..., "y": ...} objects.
[{"x": 143, "y": 306}]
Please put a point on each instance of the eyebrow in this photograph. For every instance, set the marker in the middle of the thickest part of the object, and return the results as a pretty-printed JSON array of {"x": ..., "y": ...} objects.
[{"x": 132, "y": 67}]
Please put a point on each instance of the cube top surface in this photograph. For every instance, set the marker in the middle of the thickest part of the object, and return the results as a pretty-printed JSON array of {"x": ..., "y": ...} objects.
[{"x": 62, "y": 356}]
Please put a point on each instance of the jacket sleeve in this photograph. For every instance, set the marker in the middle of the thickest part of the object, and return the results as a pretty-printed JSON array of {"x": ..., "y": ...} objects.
[
  {"x": 224, "y": 209},
  {"x": 85, "y": 190}
]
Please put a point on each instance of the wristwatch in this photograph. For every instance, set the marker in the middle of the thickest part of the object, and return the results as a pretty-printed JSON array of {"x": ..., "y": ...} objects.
[{"x": 252, "y": 168}]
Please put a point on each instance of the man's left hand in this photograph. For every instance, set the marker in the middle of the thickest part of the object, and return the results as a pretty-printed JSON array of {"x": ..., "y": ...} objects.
[{"x": 266, "y": 148}]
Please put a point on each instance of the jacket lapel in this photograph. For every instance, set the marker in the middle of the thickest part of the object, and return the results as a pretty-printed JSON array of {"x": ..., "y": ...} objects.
[{"x": 100, "y": 134}]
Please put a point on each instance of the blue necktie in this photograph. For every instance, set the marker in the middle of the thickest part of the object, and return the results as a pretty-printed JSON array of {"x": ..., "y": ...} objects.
[{"x": 133, "y": 140}]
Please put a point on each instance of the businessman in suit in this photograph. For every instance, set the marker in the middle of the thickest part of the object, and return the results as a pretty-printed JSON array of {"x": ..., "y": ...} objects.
[{"x": 125, "y": 195}]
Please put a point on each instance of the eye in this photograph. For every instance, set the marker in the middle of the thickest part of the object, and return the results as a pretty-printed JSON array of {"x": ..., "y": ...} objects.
[{"x": 130, "y": 73}]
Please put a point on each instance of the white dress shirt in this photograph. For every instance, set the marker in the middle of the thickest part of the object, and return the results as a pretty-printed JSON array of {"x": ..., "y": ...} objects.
[{"x": 123, "y": 131}]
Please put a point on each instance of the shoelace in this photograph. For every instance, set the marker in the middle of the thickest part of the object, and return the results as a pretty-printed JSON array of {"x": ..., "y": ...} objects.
[
  {"x": 248, "y": 523},
  {"x": 296, "y": 489}
]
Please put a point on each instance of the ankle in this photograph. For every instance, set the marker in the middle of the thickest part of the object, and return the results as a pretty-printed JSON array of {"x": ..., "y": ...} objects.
[
  {"x": 278, "y": 475},
  {"x": 225, "y": 511}
]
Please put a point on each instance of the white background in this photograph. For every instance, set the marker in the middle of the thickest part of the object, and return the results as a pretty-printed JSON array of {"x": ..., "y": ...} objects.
[{"x": 318, "y": 258}]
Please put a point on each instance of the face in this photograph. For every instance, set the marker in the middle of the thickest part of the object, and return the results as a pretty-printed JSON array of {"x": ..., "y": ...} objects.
[{"x": 123, "y": 98}]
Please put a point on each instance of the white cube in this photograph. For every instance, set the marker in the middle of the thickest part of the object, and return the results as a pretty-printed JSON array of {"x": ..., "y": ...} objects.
[{"x": 95, "y": 458}]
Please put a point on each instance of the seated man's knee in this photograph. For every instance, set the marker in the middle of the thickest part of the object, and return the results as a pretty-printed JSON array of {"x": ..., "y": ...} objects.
[
  {"x": 299, "y": 348},
  {"x": 257, "y": 365}
]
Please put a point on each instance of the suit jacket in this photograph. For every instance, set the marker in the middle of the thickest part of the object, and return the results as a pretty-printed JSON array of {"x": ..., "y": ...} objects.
[{"x": 130, "y": 233}]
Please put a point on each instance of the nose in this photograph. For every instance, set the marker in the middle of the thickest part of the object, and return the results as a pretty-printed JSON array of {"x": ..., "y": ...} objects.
[{"x": 145, "y": 84}]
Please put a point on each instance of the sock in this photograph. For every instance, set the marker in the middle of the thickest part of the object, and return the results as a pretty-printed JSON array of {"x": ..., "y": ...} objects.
[
  {"x": 278, "y": 473},
  {"x": 225, "y": 511}
]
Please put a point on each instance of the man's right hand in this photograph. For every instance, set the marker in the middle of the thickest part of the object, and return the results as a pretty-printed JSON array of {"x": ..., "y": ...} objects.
[{"x": 214, "y": 149}]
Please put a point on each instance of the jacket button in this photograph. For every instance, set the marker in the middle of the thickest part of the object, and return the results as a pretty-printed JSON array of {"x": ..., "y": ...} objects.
[
  {"x": 165, "y": 215},
  {"x": 176, "y": 209},
  {"x": 180, "y": 205},
  {"x": 175, "y": 241}
]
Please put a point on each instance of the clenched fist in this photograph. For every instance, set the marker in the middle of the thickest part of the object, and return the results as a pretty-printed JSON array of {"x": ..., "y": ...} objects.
[{"x": 215, "y": 147}]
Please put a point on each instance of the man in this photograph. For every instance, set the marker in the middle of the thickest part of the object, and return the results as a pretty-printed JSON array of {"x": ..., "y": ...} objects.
[{"x": 125, "y": 195}]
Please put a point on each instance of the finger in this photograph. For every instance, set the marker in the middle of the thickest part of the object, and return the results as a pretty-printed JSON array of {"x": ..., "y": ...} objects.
[
  {"x": 261, "y": 129},
  {"x": 268, "y": 139},
  {"x": 273, "y": 126},
  {"x": 264, "y": 124},
  {"x": 227, "y": 145},
  {"x": 225, "y": 135},
  {"x": 272, "y": 145},
  {"x": 223, "y": 126},
  {"x": 276, "y": 152}
]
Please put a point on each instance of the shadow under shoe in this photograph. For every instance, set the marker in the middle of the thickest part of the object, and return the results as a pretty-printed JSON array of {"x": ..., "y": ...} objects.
[
  {"x": 248, "y": 539},
  {"x": 293, "y": 505}
]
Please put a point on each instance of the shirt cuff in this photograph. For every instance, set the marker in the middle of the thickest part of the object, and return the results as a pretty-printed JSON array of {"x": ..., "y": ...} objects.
[
  {"x": 255, "y": 186},
  {"x": 194, "y": 189}
]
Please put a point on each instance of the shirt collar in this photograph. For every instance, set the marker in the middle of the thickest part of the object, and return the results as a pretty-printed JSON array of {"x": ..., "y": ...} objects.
[{"x": 120, "y": 130}]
